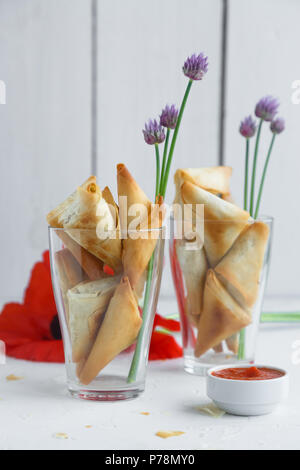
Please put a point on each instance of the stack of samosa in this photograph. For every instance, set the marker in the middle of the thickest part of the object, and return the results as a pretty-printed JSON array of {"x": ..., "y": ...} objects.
[
  {"x": 101, "y": 305},
  {"x": 138, "y": 244},
  {"x": 222, "y": 271}
]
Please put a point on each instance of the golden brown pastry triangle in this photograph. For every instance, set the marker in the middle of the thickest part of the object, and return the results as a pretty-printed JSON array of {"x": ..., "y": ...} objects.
[
  {"x": 118, "y": 331},
  {"x": 240, "y": 269},
  {"x": 88, "y": 210},
  {"x": 221, "y": 316},
  {"x": 223, "y": 221}
]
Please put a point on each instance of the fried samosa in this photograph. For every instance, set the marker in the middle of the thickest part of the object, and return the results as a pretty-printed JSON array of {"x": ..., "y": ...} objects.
[
  {"x": 194, "y": 266},
  {"x": 137, "y": 214},
  {"x": 221, "y": 316},
  {"x": 216, "y": 180},
  {"x": 87, "y": 302},
  {"x": 70, "y": 273},
  {"x": 87, "y": 209},
  {"x": 223, "y": 221},
  {"x": 118, "y": 331},
  {"x": 240, "y": 269}
]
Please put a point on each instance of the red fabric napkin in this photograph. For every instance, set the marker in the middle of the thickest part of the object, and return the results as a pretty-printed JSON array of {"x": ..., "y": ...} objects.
[{"x": 30, "y": 330}]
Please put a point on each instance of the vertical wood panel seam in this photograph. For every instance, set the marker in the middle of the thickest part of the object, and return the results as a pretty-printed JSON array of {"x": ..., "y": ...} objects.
[
  {"x": 223, "y": 49},
  {"x": 94, "y": 85}
]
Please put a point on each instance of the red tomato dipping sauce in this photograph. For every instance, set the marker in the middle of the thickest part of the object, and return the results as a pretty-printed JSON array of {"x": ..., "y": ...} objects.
[{"x": 248, "y": 373}]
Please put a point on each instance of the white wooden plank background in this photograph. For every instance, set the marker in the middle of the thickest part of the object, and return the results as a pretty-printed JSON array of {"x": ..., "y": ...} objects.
[
  {"x": 44, "y": 125},
  {"x": 142, "y": 47},
  {"x": 263, "y": 52}
]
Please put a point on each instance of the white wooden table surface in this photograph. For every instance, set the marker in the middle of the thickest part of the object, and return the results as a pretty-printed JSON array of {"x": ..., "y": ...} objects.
[{"x": 36, "y": 408}]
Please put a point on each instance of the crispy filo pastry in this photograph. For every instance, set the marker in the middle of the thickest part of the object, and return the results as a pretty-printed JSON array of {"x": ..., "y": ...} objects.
[
  {"x": 216, "y": 180},
  {"x": 221, "y": 316},
  {"x": 137, "y": 252},
  {"x": 137, "y": 215},
  {"x": 87, "y": 303},
  {"x": 87, "y": 209},
  {"x": 223, "y": 221},
  {"x": 129, "y": 189},
  {"x": 194, "y": 266},
  {"x": 240, "y": 269},
  {"x": 70, "y": 273},
  {"x": 114, "y": 209},
  {"x": 118, "y": 331}
]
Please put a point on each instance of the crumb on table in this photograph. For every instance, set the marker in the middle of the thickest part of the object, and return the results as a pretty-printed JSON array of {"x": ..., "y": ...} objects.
[
  {"x": 12, "y": 378},
  {"x": 166, "y": 434}
]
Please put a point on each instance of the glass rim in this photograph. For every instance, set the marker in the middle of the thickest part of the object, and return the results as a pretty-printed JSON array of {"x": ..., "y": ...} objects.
[
  {"x": 146, "y": 230},
  {"x": 262, "y": 218}
]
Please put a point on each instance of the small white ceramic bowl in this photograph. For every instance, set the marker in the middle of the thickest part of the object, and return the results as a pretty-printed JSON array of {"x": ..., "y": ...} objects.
[{"x": 247, "y": 397}]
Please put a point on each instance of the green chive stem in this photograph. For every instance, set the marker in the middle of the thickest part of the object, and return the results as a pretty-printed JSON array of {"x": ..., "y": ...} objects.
[
  {"x": 254, "y": 168},
  {"x": 246, "y": 176},
  {"x": 164, "y": 162},
  {"x": 157, "y": 184},
  {"x": 174, "y": 138},
  {"x": 261, "y": 187}
]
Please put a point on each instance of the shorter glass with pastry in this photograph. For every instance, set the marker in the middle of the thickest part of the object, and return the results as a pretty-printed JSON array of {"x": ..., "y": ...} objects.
[
  {"x": 220, "y": 253},
  {"x": 101, "y": 254},
  {"x": 219, "y": 260}
]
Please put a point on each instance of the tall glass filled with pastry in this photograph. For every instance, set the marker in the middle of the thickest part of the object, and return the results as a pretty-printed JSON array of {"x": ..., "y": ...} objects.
[{"x": 106, "y": 261}]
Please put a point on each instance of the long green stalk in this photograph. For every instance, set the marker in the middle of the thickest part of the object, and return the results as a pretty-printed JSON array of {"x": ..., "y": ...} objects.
[
  {"x": 140, "y": 343},
  {"x": 137, "y": 357},
  {"x": 160, "y": 189},
  {"x": 164, "y": 162},
  {"x": 254, "y": 168},
  {"x": 241, "y": 350},
  {"x": 174, "y": 138},
  {"x": 157, "y": 183},
  {"x": 267, "y": 317},
  {"x": 246, "y": 176},
  {"x": 289, "y": 317},
  {"x": 261, "y": 187}
]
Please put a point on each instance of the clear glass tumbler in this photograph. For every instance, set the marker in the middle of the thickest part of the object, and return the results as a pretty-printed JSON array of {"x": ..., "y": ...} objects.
[
  {"x": 106, "y": 323},
  {"x": 220, "y": 301}
]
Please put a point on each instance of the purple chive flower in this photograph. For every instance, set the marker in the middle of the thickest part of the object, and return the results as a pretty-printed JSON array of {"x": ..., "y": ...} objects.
[
  {"x": 168, "y": 117},
  {"x": 196, "y": 66},
  {"x": 153, "y": 132},
  {"x": 248, "y": 127},
  {"x": 277, "y": 126},
  {"x": 266, "y": 108}
]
